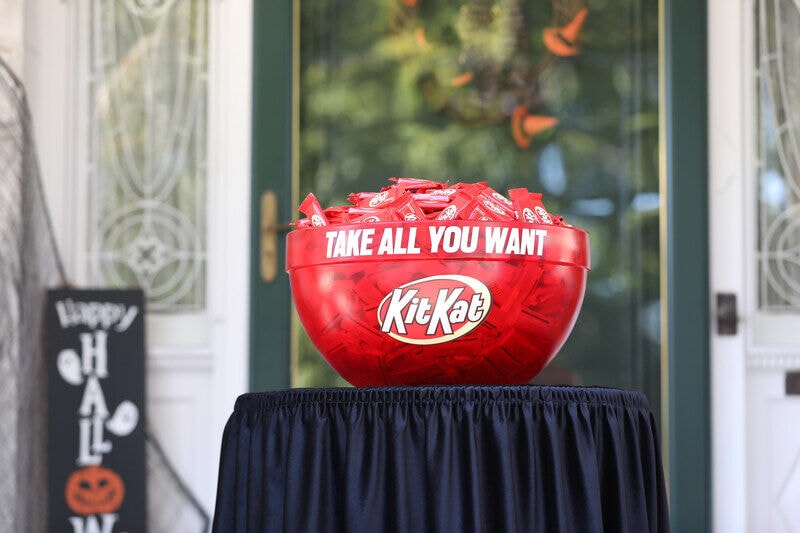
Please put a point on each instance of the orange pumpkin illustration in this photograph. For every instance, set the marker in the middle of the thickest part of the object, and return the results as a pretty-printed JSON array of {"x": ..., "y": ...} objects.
[{"x": 94, "y": 490}]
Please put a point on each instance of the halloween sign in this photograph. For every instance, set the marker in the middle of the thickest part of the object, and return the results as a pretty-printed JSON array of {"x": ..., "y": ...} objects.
[{"x": 95, "y": 359}]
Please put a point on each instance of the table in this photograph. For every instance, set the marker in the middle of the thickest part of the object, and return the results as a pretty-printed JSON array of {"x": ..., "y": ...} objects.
[{"x": 449, "y": 458}]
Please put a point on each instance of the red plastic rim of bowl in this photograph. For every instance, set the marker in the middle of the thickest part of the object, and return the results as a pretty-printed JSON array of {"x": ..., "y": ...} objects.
[{"x": 460, "y": 239}]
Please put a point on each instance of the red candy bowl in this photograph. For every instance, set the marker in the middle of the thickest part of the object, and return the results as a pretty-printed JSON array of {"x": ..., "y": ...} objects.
[{"x": 438, "y": 302}]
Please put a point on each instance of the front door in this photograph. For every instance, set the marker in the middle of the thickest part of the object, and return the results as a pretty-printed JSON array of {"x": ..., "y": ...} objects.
[
  {"x": 755, "y": 200},
  {"x": 429, "y": 90},
  {"x": 142, "y": 117},
  {"x": 432, "y": 90}
]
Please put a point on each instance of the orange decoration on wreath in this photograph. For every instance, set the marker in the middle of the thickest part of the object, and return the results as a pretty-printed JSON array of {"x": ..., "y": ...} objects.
[
  {"x": 481, "y": 72},
  {"x": 462, "y": 79},
  {"x": 563, "y": 41},
  {"x": 94, "y": 490},
  {"x": 524, "y": 126}
]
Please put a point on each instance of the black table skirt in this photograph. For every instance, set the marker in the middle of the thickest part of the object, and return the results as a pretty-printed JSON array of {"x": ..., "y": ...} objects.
[{"x": 455, "y": 458}]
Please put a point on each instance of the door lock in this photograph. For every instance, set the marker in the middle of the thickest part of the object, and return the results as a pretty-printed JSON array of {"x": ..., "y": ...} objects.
[{"x": 727, "y": 318}]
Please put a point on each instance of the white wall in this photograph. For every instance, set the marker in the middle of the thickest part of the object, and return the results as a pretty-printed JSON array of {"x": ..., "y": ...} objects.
[{"x": 11, "y": 34}]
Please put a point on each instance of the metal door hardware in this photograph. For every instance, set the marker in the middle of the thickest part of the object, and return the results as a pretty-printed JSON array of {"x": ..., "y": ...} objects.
[
  {"x": 792, "y": 383},
  {"x": 270, "y": 228},
  {"x": 727, "y": 319}
]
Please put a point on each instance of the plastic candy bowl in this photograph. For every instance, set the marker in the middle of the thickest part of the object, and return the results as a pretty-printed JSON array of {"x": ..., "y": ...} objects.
[{"x": 438, "y": 302}]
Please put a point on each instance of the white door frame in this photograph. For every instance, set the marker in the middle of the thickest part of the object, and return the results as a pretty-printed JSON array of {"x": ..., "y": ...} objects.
[
  {"x": 730, "y": 50},
  {"x": 198, "y": 380},
  {"x": 750, "y": 441}
]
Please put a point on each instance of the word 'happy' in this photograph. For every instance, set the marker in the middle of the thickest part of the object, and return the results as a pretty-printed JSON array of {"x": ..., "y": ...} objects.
[
  {"x": 95, "y": 314},
  {"x": 447, "y": 239}
]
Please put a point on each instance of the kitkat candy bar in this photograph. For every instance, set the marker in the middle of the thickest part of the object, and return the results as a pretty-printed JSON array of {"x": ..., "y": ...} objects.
[
  {"x": 337, "y": 215},
  {"x": 407, "y": 208},
  {"x": 529, "y": 207},
  {"x": 378, "y": 215},
  {"x": 357, "y": 197},
  {"x": 382, "y": 199},
  {"x": 310, "y": 208},
  {"x": 495, "y": 205},
  {"x": 461, "y": 204},
  {"x": 488, "y": 194},
  {"x": 416, "y": 184},
  {"x": 429, "y": 201}
]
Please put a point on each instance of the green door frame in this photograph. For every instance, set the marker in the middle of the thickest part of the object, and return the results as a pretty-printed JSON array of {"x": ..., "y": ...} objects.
[
  {"x": 686, "y": 336},
  {"x": 685, "y": 235},
  {"x": 270, "y": 303}
]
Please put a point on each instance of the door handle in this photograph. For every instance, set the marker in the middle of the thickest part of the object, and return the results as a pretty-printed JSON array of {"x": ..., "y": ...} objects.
[{"x": 270, "y": 228}]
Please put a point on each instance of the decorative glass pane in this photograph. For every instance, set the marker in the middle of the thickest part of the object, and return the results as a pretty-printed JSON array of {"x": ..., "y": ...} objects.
[
  {"x": 779, "y": 155},
  {"x": 147, "y": 159},
  {"x": 558, "y": 96}
]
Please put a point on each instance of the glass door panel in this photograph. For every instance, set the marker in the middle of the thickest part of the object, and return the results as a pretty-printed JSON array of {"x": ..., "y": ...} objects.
[
  {"x": 147, "y": 151},
  {"x": 560, "y": 97},
  {"x": 778, "y": 174}
]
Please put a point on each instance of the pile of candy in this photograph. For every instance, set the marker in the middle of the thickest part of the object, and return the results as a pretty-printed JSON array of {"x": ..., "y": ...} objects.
[{"x": 412, "y": 199}]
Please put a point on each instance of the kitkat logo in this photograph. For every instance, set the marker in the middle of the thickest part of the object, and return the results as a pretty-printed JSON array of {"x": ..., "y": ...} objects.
[{"x": 435, "y": 309}]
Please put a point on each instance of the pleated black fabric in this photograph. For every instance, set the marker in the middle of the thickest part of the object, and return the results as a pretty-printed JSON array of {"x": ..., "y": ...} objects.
[{"x": 455, "y": 458}]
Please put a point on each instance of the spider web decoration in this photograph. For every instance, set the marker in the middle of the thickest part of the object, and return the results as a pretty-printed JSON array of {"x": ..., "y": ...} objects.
[
  {"x": 29, "y": 265},
  {"x": 484, "y": 65}
]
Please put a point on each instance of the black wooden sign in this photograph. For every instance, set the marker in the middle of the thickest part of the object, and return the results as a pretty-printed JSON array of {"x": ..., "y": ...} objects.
[{"x": 95, "y": 355}]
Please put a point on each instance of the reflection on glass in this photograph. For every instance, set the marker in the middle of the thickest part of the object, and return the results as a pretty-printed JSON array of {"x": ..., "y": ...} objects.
[
  {"x": 779, "y": 156},
  {"x": 147, "y": 159},
  {"x": 559, "y": 97}
]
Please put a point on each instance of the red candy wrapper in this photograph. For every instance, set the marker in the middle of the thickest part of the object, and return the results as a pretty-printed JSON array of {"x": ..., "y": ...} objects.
[
  {"x": 429, "y": 201},
  {"x": 407, "y": 208},
  {"x": 416, "y": 184},
  {"x": 356, "y": 197},
  {"x": 501, "y": 201},
  {"x": 337, "y": 215},
  {"x": 529, "y": 206},
  {"x": 379, "y": 215},
  {"x": 310, "y": 208},
  {"x": 494, "y": 205},
  {"x": 479, "y": 212},
  {"x": 383, "y": 198},
  {"x": 462, "y": 203},
  {"x": 412, "y": 199}
]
